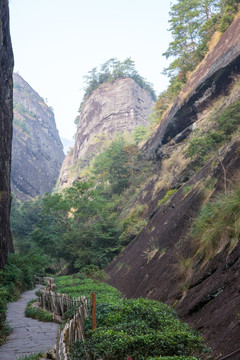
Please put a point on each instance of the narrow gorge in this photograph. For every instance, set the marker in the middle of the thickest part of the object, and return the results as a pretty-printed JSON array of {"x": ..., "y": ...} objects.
[{"x": 143, "y": 211}]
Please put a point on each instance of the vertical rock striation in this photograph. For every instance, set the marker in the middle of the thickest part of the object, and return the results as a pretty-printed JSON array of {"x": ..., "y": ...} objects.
[
  {"x": 116, "y": 107},
  {"x": 37, "y": 152},
  {"x": 6, "y": 68}
]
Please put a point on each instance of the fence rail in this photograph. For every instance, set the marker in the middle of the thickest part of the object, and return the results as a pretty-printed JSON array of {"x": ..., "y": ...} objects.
[
  {"x": 74, "y": 328},
  {"x": 58, "y": 303},
  {"x": 72, "y": 331}
]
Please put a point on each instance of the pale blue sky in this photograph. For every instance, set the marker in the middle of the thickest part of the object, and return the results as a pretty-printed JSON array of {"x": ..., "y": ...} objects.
[{"x": 56, "y": 43}]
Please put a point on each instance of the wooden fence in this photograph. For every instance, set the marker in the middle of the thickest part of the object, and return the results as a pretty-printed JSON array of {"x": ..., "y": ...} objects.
[
  {"x": 59, "y": 303},
  {"x": 74, "y": 328},
  {"x": 72, "y": 331}
]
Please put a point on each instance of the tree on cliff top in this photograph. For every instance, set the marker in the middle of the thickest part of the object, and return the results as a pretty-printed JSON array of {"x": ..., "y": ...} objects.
[{"x": 114, "y": 69}]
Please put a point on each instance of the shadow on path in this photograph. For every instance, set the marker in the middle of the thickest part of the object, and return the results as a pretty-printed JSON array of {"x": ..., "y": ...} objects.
[{"x": 28, "y": 336}]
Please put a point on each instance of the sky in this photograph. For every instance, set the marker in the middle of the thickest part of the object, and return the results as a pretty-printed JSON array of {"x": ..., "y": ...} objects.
[{"x": 56, "y": 43}]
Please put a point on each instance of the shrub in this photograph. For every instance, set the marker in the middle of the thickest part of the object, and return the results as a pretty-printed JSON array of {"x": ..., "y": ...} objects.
[
  {"x": 139, "y": 328},
  {"x": 37, "y": 312},
  {"x": 4, "y": 328},
  {"x": 227, "y": 18},
  {"x": 74, "y": 286},
  {"x": 16, "y": 277},
  {"x": 226, "y": 123}
]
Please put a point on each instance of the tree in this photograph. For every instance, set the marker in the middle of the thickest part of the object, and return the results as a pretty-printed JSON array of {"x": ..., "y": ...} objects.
[
  {"x": 116, "y": 164},
  {"x": 186, "y": 20},
  {"x": 114, "y": 69}
]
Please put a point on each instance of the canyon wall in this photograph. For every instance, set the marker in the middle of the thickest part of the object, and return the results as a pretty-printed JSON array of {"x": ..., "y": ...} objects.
[
  {"x": 162, "y": 262},
  {"x": 116, "y": 107},
  {"x": 6, "y": 85},
  {"x": 37, "y": 152}
]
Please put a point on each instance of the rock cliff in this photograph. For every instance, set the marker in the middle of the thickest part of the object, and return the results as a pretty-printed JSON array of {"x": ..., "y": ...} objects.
[
  {"x": 116, "y": 107},
  {"x": 37, "y": 152},
  {"x": 211, "y": 79},
  {"x": 6, "y": 61},
  {"x": 154, "y": 264}
]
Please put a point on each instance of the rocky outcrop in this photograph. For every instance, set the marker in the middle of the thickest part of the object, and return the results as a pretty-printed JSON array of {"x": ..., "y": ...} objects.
[
  {"x": 206, "y": 295},
  {"x": 37, "y": 152},
  {"x": 116, "y": 107},
  {"x": 6, "y": 68},
  {"x": 210, "y": 80}
]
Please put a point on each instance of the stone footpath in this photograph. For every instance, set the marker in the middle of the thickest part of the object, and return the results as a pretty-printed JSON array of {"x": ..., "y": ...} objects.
[{"x": 29, "y": 336}]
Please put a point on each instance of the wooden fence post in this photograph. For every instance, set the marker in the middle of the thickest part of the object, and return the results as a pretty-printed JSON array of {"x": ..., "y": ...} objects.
[{"x": 93, "y": 306}]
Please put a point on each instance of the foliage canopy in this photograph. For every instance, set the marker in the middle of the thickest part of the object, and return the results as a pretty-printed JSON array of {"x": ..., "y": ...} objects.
[{"x": 114, "y": 69}]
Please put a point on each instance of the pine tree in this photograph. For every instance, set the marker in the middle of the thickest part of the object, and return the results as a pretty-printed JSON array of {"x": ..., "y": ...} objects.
[{"x": 186, "y": 19}]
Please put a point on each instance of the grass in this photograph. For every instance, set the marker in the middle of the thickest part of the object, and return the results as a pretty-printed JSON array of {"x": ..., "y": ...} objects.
[
  {"x": 217, "y": 225},
  {"x": 38, "y": 313},
  {"x": 31, "y": 357},
  {"x": 185, "y": 268},
  {"x": 167, "y": 197},
  {"x": 133, "y": 223},
  {"x": 172, "y": 167},
  {"x": 151, "y": 251}
]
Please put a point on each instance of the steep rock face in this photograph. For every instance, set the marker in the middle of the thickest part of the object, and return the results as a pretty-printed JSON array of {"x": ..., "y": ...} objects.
[
  {"x": 207, "y": 295},
  {"x": 112, "y": 108},
  {"x": 210, "y": 80},
  {"x": 6, "y": 68},
  {"x": 37, "y": 152}
]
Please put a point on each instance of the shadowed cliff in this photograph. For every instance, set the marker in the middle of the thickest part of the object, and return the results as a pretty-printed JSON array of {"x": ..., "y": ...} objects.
[
  {"x": 37, "y": 152},
  {"x": 6, "y": 85}
]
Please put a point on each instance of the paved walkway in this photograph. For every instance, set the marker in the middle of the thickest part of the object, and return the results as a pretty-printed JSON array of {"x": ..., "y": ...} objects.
[{"x": 28, "y": 336}]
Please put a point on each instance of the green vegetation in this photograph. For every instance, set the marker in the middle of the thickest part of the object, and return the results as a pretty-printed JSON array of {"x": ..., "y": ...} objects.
[
  {"x": 139, "y": 328},
  {"x": 217, "y": 225},
  {"x": 167, "y": 197},
  {"x": 192, "y": 25},
  {"x": 226, "y": 123},
  {"x": 31, "y": 357},
  {"x": 79, "y": 284},
  {"x": 112, "y": 70},
  {"x": 80, "y": 225},
  {"x": 21, "y": 123},
  {"x": 38, "y": 313},
  {"x": 4, "y": 327},
  {"x": 132, "y": 224},
  {"x": 139, "y": 134},
  {"x": 21, "y": 109},
  {"x": 17, "y": 276}
]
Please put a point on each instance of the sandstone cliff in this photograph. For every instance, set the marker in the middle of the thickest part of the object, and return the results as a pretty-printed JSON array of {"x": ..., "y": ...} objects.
[
  {"x": 37, "y": 152},
  {"x": 6, "y": 60},
  {"x": 112, "y": 108},
  {"x": 154, "y": 264},
  {"x": 211, "y": 79}
]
